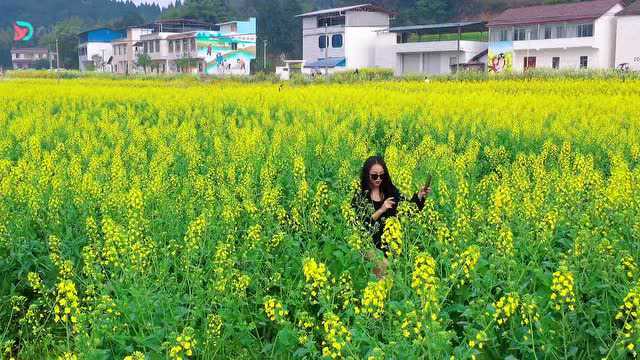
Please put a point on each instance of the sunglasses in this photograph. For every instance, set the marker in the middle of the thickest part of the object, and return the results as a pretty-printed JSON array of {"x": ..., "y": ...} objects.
[{"x": 376, "y": 176}]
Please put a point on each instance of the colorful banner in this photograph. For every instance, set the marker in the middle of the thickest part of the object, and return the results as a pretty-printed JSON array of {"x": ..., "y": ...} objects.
[
  {"x": 500, "y": 57},
  {"x": 226, "y": 53},
  {"x": 23, "y": 31}
]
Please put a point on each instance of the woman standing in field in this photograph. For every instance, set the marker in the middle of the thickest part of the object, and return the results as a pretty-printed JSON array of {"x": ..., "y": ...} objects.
[{"x": 377, "y": 189}]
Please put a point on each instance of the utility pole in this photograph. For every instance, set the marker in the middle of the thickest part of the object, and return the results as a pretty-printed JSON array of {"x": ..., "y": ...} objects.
[
  {"x": 57, "y": 55},
  {"x": 326, "y": 49},
  {"x": 264, "y": 55}
]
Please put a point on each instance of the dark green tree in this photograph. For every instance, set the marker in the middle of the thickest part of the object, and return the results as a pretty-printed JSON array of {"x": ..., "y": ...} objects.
[
  {"x": 144, "y": 60},
  {"x": 66, "y": 33}
]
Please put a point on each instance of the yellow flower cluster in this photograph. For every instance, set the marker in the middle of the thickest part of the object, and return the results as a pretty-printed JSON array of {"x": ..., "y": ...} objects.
[
  {"x": 505, "y": 307},
  {"x": 274, "y": 310},
  {"x": 376, "y": 354},
  {"x": 137, "y": 355},
  {"x": 629, "y": 267},
  {"x": 35, "y": 282},
  {"x": 276, "y": 239},
  {"x": 193, "y": 237},
  {"x": 345, "y": 293},
  {"x": 375, "y": 295},
  {"x": 54, "y": 250},
  {"x": 562, "y": 289},
  {"x": 505, "y": 241},
  {"x": 424, "y": 280},
  {"x": 529, "y": 312},
  {"x": 629, "y": 316},
  {"x": 184, "y": 345},
  {"x": 68, "y": 356},
  {"x": 316, "y": 276},
  {"x": 214, "y": 326},
  {"x": 336, "y": 337},
  {"x": 320, "y": 201},
  {"x": 392, "y": 235},
  {"x": 67, "y": 308},
  {"x": 412, "y": 325},
  {"x": 464, "y": 265},
  {"x": 254, "y": 234},
  {"x": 305, "y": 325}
]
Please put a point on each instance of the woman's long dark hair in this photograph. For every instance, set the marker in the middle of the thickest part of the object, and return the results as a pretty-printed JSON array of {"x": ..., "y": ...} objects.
[{"x": 387, "y": 187}]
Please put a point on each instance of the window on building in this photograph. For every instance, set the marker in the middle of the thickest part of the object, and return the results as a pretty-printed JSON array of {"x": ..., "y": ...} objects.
[
  {"x": 533, "y": 33},
  {"x": 170, "y": 46},
  {"x": 453, "y": 60},
  {"x": 336, "y": 41},
  {"x": 585, "y": 30},
  {"x": 234, "y": 46},
  {"x": 322, "y": 41},
  {"x": 331, "y": 21},
  {"x": 529, "y": 62},
  {"x": 124, "y": 49},
  {"x": 145, "y": 48},
  {"x": 560, "y": 31},
  {"x": 185, "y": 45},
  {"x": 584, "y": 62},
  {"x": 157, "y": 45},
  {"x": 547, "y": 32},
  {"x": 555, "y": 62},
  {"x": 193, "y": 44},
  {"x": 178, "y": 49},
  {"x": 504, "y": 35},
  {"x": 519, "y": 34}
]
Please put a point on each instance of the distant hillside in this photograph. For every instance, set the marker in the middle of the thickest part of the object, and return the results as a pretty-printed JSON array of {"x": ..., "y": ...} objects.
[{"x": 44, "y": 13}]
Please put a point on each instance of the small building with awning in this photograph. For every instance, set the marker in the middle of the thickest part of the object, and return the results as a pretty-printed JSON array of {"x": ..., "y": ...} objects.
[{"x": 343, "y": 38}]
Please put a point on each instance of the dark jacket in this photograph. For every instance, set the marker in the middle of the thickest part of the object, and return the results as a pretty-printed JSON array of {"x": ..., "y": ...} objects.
[{"x": 365, "y": 207}]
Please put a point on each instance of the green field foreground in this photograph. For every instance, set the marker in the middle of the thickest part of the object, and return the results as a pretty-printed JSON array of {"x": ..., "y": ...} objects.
[{"x": 151, "y": 219}]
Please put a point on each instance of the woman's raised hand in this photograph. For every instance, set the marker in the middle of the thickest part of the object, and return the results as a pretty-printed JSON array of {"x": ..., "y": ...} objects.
[{"x": 388, "y": 204}]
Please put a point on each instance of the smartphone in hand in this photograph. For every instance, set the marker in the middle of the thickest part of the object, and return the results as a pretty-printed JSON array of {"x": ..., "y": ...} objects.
[{"x": 428, "y": 183}]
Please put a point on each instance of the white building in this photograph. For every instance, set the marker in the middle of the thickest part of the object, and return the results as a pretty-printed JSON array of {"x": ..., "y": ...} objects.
[
  {"x": 126, "y": 50},
  {"x": 432, "y": 49},
  {"x": 27, "y": 58},
  {"x": 628, "y": 37},
  {"x": 570, "y": 36},
  {"x": 182, "y": 45},
  {"x": 343, "y": 38},
  {"x": 95, "y": 50}
]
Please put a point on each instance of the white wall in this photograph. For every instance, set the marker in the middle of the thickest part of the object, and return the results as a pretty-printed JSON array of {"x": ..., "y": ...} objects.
[
  {"x": 569, "y": 58},
  {"x": 311, "y": 50},
  {"x": 360, "y": 46},
  {"x": 628, "y": 41},
  {"x": 384, "y": 50},
  {"x": 366, "y": 18},
  {"x": 434, "y": 56},
  {"x": 96, "y": 48},
  {"x": 604, "y": 32}
]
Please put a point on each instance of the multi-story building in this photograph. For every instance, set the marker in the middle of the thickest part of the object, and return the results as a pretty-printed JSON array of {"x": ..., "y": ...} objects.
[
  {"x": 126, "y": 50},
  {"x": 95, "y": 50},
  {"x": 342, "y": 38},
  {"x": 573, "y": 35},
  {"x": 188, "y": 46},
  {"x": 26, "y": 58},
  {"x": 433, "y": 49},
  {"x": 628, "y": 37}
]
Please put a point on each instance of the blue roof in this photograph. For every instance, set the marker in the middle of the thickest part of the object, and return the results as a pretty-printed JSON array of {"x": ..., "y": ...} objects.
[{"x": 327, "y": 63}]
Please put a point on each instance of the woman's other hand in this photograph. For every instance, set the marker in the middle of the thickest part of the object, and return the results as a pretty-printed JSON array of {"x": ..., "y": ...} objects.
[{"x": 424, "y": 192}]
